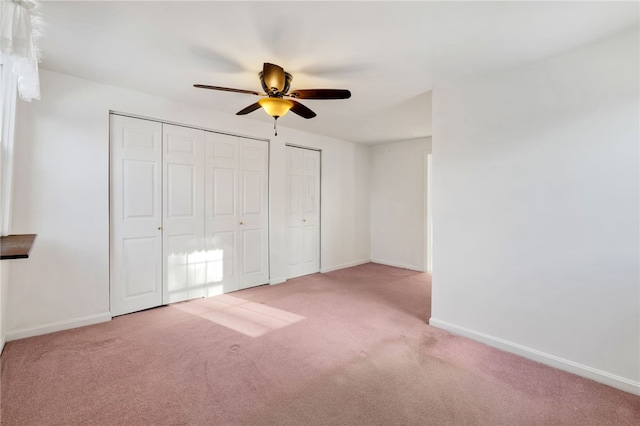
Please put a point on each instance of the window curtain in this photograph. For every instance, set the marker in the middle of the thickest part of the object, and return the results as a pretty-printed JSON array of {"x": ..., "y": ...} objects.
[{"x": 20, "y": 28}]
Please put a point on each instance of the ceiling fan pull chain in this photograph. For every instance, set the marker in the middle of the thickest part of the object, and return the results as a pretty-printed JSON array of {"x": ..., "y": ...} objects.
[{"x": 275, "y": 127}]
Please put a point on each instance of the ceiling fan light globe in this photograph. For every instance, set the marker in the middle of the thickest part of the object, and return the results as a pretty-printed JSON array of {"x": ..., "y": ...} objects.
[{"x": 275, "y": 107}]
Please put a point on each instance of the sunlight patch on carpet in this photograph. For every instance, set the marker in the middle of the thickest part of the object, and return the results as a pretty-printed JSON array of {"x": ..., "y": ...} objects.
[{"x": 249, "y": 318}]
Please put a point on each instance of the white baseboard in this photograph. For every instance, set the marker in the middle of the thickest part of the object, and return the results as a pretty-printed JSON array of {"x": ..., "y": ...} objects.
[
  {"x": 600, "y": 376},
  {"x": 398, "y": 265},
  {"x": 344, "y": 265},
  {"x": 58, "y": 326},
  {"x": 273, "y": 281}
]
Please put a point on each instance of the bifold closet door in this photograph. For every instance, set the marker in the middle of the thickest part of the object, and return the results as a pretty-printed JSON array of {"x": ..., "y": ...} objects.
[
  {"x": 136, "y": 215},
  {"x": 189, "y": 214},
  {"x": 303, "y": 210},
  {"x": 236, "y": 213},
  {"x": 185, "y": 263},
  {"x": 254, "y": 216}
]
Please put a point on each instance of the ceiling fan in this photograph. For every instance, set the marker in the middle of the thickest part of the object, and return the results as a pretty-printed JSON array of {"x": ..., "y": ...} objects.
[{"x": 275, "y": 83}]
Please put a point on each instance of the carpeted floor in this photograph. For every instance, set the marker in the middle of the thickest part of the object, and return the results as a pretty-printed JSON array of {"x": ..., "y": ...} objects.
[{"x": 351, "y": 347}]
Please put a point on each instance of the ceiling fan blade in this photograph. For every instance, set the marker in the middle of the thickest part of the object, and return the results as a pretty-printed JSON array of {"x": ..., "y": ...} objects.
[
  {"x": 249, "y": 109},
  {"x": 227, "y": 89},
  {"x": 302, "y": 110},
  {"x": 273, "y": 77},
  {"x": 320, "y": 94}
]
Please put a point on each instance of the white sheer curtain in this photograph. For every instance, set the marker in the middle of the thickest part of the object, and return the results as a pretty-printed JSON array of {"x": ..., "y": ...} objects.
[{"x": 19, "y": 31}]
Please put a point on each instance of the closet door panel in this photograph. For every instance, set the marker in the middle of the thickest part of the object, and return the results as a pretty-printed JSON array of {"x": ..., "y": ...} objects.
[
  {"x": 138, "y": 187},
  {"x": 252, "y": 251},
  {"x": 221, "y": 212},
  {"x": 136, "y": 215},
  {"x": 183, "y": 219},
  {"x": 254, "y": 218},
  {"x": 224, "y": 195},
  {"x": 293, "y": 193},
  {"x": 303, "y": 210},
  {"x": 181, "y": 192},
  {"x": 310, "y": 253},
  {"x": 221, "y": 266},
  {"x": 311, "y": 212},
  {"x": 140, "y": 267},
  {"x": 252, "y": 193}
]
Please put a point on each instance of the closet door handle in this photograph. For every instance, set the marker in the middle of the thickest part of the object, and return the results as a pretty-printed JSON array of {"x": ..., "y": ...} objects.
[{"x": 241, "y": 223}]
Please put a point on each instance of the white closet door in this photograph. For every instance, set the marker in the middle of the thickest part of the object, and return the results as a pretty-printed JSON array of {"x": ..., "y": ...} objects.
[
  {"x": 236, "y": 201},
  {"x": 136, "y": 215},
  {"x": 221, "y": 212},
  {"x": 293, "y": 195},
  {"x": 303, "y": 210},
  {"x": 183, "y": 215},
  {"x": 311, "y": 212},
  {"x": 254, "y": 216},
  {"x": 189, "y": 214}
]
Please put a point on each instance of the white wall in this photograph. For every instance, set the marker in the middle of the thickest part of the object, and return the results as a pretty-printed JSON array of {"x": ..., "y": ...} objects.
[
  {"x": 398, "y": 197},
  {"x": 61, "y": 192},
  {"x": 345, "y": 188},
  {"x": 536, "y": 189}
]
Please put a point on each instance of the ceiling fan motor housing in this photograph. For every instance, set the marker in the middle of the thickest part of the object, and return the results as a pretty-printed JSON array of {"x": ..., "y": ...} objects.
[{"x": 273, "y": 91}]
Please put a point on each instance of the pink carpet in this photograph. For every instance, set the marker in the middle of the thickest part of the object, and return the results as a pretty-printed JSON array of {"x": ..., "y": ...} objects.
[{"x": 351, "y": 347}]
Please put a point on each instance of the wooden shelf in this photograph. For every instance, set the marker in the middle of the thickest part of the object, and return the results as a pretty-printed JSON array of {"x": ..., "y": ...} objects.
[{"x": 16, "y": 246}]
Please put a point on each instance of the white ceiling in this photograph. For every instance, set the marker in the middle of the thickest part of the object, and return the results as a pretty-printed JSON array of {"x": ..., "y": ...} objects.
[{"x": 387, "y": 53}]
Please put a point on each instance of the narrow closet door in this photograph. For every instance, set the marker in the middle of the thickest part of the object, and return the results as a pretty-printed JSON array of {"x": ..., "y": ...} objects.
[
  {"x": 136, "y": 215},
  {"x": 221, "y": 213},
  {"x": 183, "y": 224},
  {"x": 253, "y": 211},
  {"x": 303, "y": 210},
  {"x": 311, "y": 212}
]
